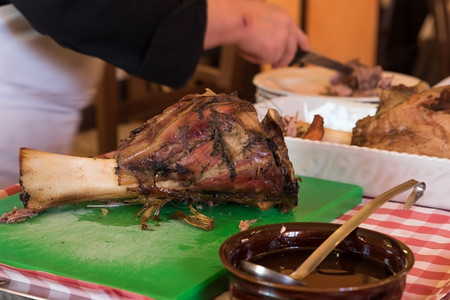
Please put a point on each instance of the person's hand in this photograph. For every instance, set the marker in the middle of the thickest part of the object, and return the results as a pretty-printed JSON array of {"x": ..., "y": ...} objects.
[{"x": 263, "y": 33}]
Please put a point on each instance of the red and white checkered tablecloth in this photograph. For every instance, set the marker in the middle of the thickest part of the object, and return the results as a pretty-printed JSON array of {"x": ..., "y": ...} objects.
[
  {"x": 425, "y": 230},
  {"x": 49, "y": 286}
]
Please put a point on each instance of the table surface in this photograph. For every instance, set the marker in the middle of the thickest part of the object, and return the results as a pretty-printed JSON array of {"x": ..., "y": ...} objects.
[{"x": 425, "y": 230}]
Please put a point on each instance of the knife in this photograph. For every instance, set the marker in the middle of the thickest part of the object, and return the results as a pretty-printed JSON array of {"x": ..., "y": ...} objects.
[{"x": 319, "y": 60}]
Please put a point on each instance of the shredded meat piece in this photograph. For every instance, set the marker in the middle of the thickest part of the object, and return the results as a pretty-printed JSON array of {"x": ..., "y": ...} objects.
[
  {"x": 16, "y": 215},
  {"x": 291, "y": 125},
  {"x": 310, "y": 131},
  {"x": 245, "y": 224}
]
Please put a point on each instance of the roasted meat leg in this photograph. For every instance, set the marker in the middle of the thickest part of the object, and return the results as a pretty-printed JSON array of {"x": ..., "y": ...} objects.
[{"x": 204, "y": 148}]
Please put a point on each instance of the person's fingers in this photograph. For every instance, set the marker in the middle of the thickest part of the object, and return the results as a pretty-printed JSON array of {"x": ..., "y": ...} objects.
[
  {"x": 249, "y": 57},
  {"x": 289, "y": 51},
  {"x": 303, "y": 41},
  {"x": 270, "y": 36}
]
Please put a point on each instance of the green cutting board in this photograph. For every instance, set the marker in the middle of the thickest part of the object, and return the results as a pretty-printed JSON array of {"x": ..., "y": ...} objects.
[{"x": 175, "y": 261}]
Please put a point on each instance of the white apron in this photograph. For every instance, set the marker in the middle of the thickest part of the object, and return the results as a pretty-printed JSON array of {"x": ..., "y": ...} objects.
[{"x": 43, "y": 88}]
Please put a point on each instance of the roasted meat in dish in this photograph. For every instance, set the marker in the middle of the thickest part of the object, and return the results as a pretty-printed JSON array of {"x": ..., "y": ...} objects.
[
  {"x": 420, "y": 124},
  {"x": 205, "y": 148}
]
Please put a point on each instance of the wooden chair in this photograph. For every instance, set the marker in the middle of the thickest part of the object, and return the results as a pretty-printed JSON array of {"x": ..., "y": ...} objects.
[{"x": 131, "y": 98}]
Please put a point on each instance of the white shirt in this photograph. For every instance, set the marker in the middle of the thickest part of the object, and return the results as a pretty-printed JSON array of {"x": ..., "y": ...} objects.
[{"x": 43, "y": 88}]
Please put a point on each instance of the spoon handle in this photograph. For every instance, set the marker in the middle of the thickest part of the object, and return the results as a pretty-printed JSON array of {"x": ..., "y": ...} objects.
[{"x": 345, "y": 229}]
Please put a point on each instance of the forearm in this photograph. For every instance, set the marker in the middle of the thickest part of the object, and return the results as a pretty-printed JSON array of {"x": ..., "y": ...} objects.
[{"x": 225, "y": 23}]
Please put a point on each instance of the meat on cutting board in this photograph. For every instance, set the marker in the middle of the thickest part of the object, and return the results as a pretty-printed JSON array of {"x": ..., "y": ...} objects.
[{"x": 205, "y": 148}]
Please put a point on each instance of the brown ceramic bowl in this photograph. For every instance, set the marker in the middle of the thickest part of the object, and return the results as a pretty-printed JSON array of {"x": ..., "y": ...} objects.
[{"x": 247, "y": 244}]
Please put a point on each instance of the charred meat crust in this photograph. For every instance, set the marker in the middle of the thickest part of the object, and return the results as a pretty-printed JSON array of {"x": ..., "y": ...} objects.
[
  {"x": 442, "y": 102},
  {"x": 24, "y": 197},
  {"x": 219, "y": 147},
  {"x": 272, "y": 124}
]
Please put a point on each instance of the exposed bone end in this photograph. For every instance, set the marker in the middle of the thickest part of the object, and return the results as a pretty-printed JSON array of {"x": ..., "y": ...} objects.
[{"x": 48, "y": 179}]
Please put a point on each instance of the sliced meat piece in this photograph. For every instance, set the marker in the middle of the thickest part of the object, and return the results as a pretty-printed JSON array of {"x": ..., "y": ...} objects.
[{"x": 364, "y": 81}]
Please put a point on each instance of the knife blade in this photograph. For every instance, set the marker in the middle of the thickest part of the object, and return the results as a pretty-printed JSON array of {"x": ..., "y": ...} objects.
[{"x": 319, "y": 60}]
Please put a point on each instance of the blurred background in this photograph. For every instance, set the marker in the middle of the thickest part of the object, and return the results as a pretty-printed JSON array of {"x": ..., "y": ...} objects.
[{"x": 405, "y": 36}]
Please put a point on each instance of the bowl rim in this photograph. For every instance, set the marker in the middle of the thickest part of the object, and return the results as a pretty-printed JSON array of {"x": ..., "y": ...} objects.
[{"x": 410, "y": 260}]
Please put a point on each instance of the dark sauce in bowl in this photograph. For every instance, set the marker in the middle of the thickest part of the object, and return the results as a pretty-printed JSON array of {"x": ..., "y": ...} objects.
[{"x": 339, "y": 269}]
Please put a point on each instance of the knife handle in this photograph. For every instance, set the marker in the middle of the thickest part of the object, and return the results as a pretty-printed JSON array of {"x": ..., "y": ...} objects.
[{"x": 298, "y": 56}]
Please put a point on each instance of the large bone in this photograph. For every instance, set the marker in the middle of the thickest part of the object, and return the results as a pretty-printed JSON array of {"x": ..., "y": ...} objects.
[{"x": 49, "y": 179}]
